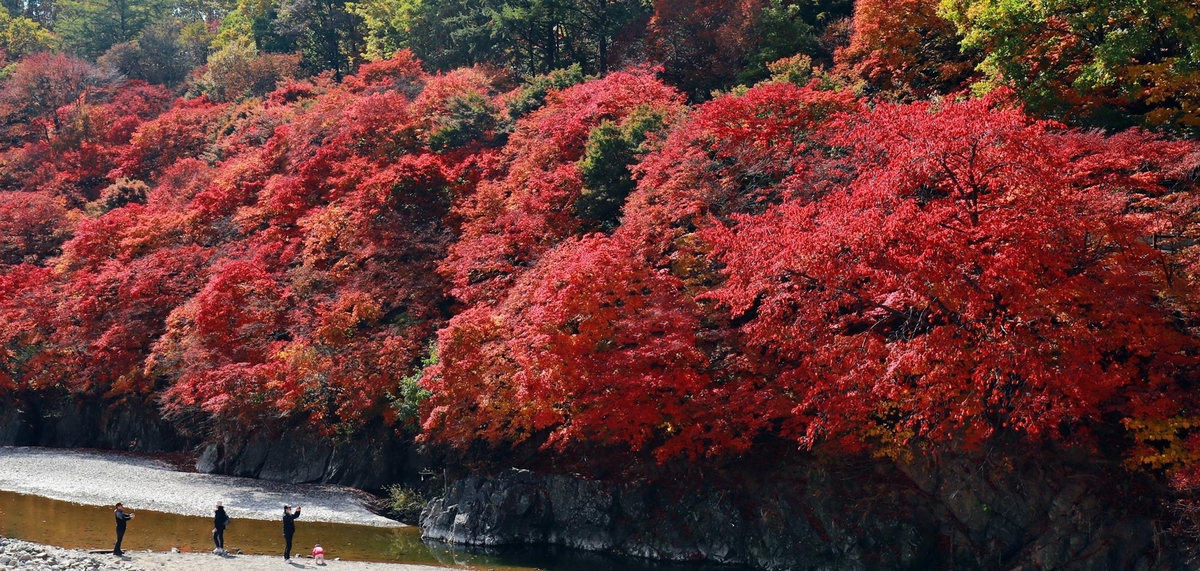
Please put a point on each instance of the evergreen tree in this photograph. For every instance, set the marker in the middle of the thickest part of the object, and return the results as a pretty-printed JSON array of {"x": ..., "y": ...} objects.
[{"x": 90, "y": 27}]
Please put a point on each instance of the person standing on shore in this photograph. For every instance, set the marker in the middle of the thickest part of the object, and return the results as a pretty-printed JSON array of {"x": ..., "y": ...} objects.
[
  {"x": 122, "y": 518},
  {"x": 220, "y": 521},
  {"x": 289, "y": 529}
]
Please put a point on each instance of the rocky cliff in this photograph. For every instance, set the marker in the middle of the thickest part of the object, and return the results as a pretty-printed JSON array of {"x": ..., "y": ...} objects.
[
  {"x": 368, "y": 463},
  {"x": 294, "y": 457},
  {"x": 973, "y": 513},
  {"x": 68, "y": 423}
]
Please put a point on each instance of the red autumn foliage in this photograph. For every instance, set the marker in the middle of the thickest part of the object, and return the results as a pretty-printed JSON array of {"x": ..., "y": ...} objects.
[
  {"x": 792, "y": 265},
  {"x": 524, "y": 207},
  {"x": 401, "y": 73},
  {"x": 37, "y": 97},
  {"x": 65, "y": 124},
  {"x": 117, "y": 311},
  {"x": 333, "y": 224},
  {"x": 234, "y": 322},
  {"x": 27, "y": 307},
  {"x": 283, "y": 252},
  {"x": 905, "y": 50},
  {"x": 593, "y": 348},
  {"x": 847, "y": 278},
  {"x": 731, "y": 156},
  {"x": 32, "y": 226},
  {"x": 183, "y": 132},
  {"x": 981, "y": 272}
]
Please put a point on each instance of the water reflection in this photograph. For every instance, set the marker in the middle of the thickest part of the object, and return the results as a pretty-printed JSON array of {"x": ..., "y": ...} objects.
[
  {"x": 555, "y": 558},
  {"x": 90, "y": 527},
  {"x": 75, "y": 526}
]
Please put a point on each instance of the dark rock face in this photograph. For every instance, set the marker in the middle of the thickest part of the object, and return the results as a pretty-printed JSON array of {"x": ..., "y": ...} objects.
[
  {"x": 65, "y": 423},
  {"x": 874, "y": 515},
  {"x": 367, "y": 464}
]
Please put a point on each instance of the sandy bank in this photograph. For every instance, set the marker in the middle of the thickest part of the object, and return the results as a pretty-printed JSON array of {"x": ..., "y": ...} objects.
[{"x": 97, "y": 478}]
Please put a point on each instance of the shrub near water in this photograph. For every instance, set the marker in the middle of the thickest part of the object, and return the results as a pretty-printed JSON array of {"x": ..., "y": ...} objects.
[{"x": 405, "y": 504}]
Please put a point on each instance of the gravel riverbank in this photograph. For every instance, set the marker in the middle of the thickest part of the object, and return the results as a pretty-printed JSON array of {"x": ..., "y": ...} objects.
[
  {"x": 23, "y": 555},
  {"x": 101, "y": 479},
  {"x": 16, "y": 554}
]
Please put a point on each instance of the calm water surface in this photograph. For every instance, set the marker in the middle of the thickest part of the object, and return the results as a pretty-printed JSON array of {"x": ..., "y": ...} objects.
[{"x": 75, "y": 526}]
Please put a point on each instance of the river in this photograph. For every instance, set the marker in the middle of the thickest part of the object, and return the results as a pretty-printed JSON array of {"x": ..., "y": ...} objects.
[{"x": 81, "y": 486}]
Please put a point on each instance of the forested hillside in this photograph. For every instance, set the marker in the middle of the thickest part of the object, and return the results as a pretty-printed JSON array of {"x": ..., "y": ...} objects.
[{"x": 612, "y": 236}]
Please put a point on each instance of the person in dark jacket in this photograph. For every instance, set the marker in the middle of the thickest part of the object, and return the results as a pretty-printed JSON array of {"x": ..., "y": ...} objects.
[
  {"x": 122, "y": 518},
  {"x": 220, "y": 521},
  {"x": 289, "y": 529}
]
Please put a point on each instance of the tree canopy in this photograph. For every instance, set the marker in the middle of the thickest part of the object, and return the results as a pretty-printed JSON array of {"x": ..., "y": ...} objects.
[{"x": 612, "y": 236}]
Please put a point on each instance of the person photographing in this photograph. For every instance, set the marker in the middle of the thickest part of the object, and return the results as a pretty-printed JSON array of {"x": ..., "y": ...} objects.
[
  {"x": 122, "y": 519},
  {"x": 289, "y": 530},
  {"x": 220, "y": 522}
]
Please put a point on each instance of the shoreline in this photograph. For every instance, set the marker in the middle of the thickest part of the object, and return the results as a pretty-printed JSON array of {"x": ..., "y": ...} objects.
[
  {"x": 19, "y": 554},
  {"x": 101, "y": 479}
]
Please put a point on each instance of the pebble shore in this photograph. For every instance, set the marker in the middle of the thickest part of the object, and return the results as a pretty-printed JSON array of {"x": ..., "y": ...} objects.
[
  {"x": 16, "y": 554},
  {"x": 26, "y": 556}
]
